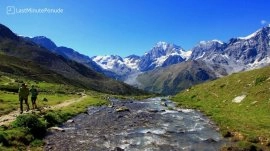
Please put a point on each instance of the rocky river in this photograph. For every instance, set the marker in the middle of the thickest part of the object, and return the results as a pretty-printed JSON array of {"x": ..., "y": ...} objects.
[{"x": 149, "y": 125}]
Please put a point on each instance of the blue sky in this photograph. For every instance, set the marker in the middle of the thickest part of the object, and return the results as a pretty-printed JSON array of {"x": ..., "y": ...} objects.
[{"x": 124, "y": 27}]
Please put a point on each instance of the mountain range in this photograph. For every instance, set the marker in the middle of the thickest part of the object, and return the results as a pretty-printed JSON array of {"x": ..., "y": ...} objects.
[
  {"x": 209, "y": 59},
  {"x": 239, "y": 54},
  {"x": 213, "y": 58},
  {"x": 161, "y": 55},
  {"x": 22, "y": 57}
]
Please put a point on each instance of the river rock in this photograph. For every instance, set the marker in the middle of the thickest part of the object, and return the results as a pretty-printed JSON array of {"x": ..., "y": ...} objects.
[
  {"x": 70, "y": 121},
  {"x": 121, "y": 109},
  {"x": 57, "y": 129},
  {"x": 164, "y": 104},
  {"x": 210, "y": 140}
]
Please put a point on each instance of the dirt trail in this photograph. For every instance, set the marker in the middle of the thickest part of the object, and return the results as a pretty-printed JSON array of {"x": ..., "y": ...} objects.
[{"x": 8, "y": 118}]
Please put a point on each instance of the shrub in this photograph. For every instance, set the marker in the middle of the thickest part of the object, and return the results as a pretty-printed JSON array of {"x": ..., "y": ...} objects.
[
  {"x": 32, "y": 124},
  {"x": 52, "y": 119},
  {"x": 37, "y": 143},
  {"x": 222, "y": 86},
  {"x": 193, "y": 96},
  {"x": 260, "y": 80},
  {"x": 3, "y": 139},
  {"x": 18, "y": 136}
]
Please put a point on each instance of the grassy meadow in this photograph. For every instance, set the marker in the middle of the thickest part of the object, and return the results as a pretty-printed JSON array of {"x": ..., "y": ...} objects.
[
  {"x": 21, "y": 134},
  {"x": 246, "y": 122}
]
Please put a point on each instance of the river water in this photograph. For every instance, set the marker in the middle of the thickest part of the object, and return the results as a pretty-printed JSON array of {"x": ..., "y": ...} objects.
[{"x": 150, "y": 125}]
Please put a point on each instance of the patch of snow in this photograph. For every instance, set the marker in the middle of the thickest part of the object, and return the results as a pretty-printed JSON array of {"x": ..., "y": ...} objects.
[
  {"x": 200, "y": 56},
  {"x": 239, "y": 99},
  {"x": 131, "y": 63},
  {"x": 159, "y": 61},
  {"x": 225, "y": 56},
  {"x": 258, "y": 64},
  {"x": 174, "y": 54},
  {"x": 203, "y": 42},
  {"x": 185, "y": 54},
  {"x": 207, "y": 42},
  {"x": 162, "y": 44},
  {"x": 249, "y": 36},
  {"x": 107, "y": 62},
  {"x": 215, "y": 40}
]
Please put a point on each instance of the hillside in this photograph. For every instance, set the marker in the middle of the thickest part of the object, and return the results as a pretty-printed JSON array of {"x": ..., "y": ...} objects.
[
  {"x": 14, "y": 66},
  {"x": 239, "y": 104},
  {"x": 27, "y": 54},
  {"x": 172, "y": 79}
]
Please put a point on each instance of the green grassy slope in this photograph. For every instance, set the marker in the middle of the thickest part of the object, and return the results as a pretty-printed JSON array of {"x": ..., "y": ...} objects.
[
  {"x": 25, "y": 69},
  {"x": 247, "y": 121},
  {"x": 172, "y": 79}
]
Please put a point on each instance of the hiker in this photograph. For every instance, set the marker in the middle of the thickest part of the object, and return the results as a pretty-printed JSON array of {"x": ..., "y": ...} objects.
[
  {"x": 23, "y": 96},
  {"x": 34, "y": 94}
]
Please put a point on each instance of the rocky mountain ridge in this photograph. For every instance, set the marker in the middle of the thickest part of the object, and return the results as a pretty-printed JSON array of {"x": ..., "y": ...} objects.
[
  {"x": 221, "y": 58},
  {"x": 238, "y": 54},
  {"x": 217, "y": 59}
]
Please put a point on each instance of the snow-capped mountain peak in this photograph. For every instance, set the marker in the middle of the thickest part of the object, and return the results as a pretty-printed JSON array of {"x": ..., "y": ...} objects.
[
  {"x": 122, "y": 67},
  {"x": 162, "y": 49},
  {"x": 163, "y": 54},
  {"x": 162, "y": 44},
  {"x": 239, "y": 54},
  {"x": 250, "y": 36},
  {"x": 108, "y": 61},
  {"x": 258, "y": 32}
]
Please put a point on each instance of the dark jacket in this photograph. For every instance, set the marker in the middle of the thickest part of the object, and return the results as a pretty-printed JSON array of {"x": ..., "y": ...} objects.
[{"x": 23, "y": 92}]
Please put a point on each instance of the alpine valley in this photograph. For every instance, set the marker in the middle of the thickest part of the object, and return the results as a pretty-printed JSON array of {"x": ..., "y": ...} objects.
[
  {"x": 237, "y": 102},
  {"x": 168, "y": 68}
]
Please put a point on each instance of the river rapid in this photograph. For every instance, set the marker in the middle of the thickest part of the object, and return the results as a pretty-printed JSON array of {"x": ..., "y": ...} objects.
[{"x": 149, "y": 125}]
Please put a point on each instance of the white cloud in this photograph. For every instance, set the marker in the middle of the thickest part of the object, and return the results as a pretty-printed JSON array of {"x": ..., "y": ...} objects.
[{"x": 264, "y": 22}]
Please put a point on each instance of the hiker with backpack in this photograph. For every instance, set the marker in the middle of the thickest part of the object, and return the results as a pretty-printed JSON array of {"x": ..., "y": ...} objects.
[{"x": 34, "y": 94}]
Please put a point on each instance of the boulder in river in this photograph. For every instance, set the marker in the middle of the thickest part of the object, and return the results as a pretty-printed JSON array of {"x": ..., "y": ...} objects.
[
  {"x": 122, "y": 109},
  {"x": 57, "y": 129},
  {"x": 70, "y": 121}
]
